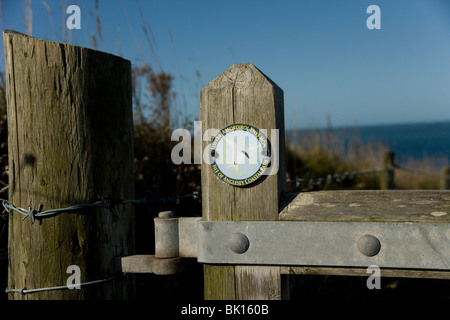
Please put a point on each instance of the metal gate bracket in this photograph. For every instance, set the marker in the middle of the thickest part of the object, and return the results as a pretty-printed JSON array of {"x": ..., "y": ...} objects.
[
  {"x": 175, "y": 240},
  {"x": 400, "y": 245}
]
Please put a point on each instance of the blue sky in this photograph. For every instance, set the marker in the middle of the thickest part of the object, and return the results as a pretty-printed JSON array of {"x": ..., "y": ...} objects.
[{"x": 320, "y": 52}]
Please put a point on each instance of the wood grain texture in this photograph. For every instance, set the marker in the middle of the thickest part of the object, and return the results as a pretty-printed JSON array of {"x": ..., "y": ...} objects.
[
  {"x": 258, "y": 283},
  {"x": 362, "y": 272},
  {"x": 70, "y": 136},
  {"x": 368, "y": 206},
  {"x": 242, "y": 94}
]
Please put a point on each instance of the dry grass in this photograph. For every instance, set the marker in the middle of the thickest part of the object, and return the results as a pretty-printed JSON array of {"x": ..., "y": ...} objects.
[
  {"x": 312, "y": 154},
  {"x": 28, "y": 17},
  {"x": 420, "y": 174}
]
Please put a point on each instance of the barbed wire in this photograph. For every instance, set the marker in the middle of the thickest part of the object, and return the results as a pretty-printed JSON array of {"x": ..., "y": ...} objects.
[
  {"x": 102, "y": 203},
  {"x": 38, "y": 213},
  {"x": 334, "y": 177},
  {"x": 110, "y": 204},
  {"x": 163, "y": 200},
  {"x": 421, "y": 172},
  {"x": 25, "y": 291}
]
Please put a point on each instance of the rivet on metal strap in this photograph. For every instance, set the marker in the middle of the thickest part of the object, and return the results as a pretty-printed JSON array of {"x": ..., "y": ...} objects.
[
  {"x": 238, "y": 243},
  {"x": 369, "y": 245}
]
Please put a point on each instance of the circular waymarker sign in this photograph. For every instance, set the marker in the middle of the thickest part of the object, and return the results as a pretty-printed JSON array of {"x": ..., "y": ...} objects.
[{"x": 240, "y": 154}]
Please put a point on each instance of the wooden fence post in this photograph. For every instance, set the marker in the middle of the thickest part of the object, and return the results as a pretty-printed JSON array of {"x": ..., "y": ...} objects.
[
  {"x": 70, "y": 137},
  {"x": 242, "y": 94},
  {"x": 445, "y": 178},
  {"x": 387, "y": 177}
]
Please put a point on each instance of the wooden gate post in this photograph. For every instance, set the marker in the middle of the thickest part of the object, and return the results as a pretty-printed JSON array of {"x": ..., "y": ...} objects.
[
  {"x": 445, "y": 178},
  {"x": 242, "y": 94},
  {"x": 387, "y": 177},
  {"x": 70, "y": 138}
]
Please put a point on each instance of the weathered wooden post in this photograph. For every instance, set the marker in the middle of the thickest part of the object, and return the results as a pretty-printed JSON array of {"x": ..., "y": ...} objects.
[
  {"x": 242, "y": 94},
  {"x": 445, "y": 178},
  {"x": 70, "y": 136},
  {"x": 387, "y": 177}
]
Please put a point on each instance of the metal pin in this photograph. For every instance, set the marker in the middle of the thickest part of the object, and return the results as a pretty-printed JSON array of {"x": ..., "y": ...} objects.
[{"x": 165, "y": 215}]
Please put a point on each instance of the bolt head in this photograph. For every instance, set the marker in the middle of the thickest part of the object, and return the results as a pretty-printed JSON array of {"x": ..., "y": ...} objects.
[
  {"x": 238, "y": 243},
  {"x": 369, "y": 245}
]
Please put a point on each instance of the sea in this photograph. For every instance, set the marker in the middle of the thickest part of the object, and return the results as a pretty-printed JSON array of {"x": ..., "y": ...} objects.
[{"x": 409, "y": 141}]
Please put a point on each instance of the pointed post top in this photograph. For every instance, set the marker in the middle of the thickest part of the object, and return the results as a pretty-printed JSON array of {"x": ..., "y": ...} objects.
[{"x": 241, "y": 75}]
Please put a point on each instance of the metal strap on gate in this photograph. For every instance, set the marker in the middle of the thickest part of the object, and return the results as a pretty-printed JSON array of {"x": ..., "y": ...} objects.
[
  {"x": 340, "y": 244},
  {"x": 402, "y": 245}
]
